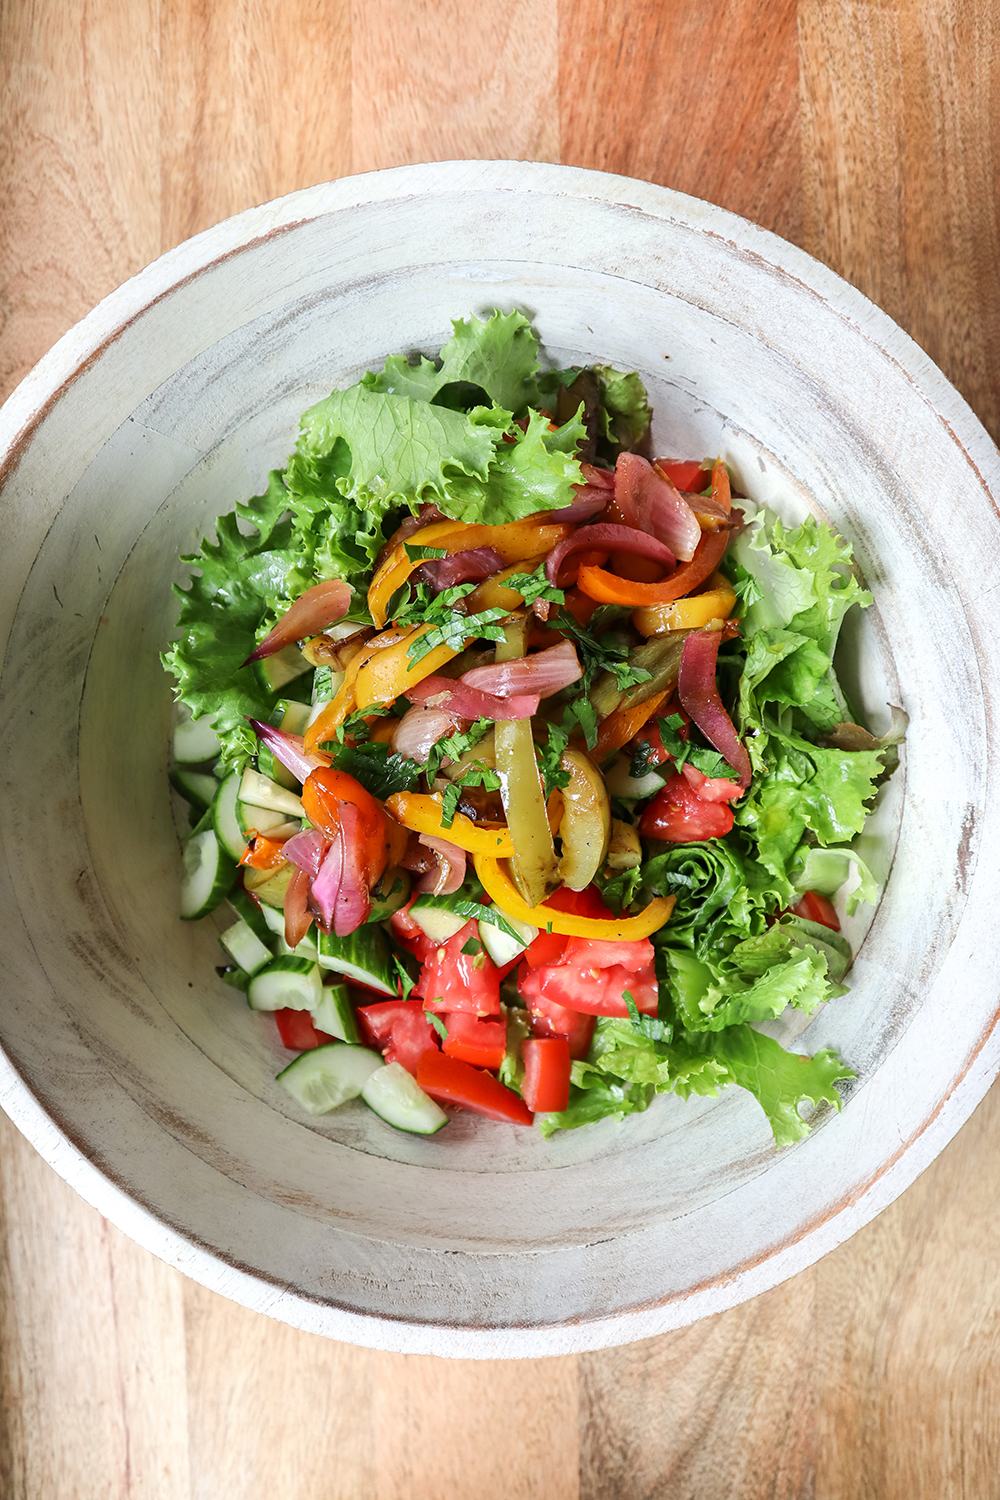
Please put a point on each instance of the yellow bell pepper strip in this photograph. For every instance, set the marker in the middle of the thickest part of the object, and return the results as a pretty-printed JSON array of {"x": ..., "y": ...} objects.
[
  {"x": 698, "y": 610},
  {"x": 421, "y": 813},
  {"x": 534, "y": 863},
  {"x": 326, "y": 724},
  {"x": 515, "y": 542},
  {"x": 387, "y": 673},
  {"x": 498, "y": 886},
  {"x": 607, "y": 588},
  {"x": 397, "y": 837},
  {"x": 624, "y": 723},
  {"x": 492, "y": 593}
]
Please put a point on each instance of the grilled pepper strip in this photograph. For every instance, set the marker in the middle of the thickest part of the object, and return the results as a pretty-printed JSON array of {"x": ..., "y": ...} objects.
[
  {"x": 422, "y": 814},
  {"x": 499, "y": 887},
  {"x": 716, "y": 603},
  {"x": 533, "y": 864},
  {"x": 514, "y": 542},
  {"x": 606, "y": 588}
]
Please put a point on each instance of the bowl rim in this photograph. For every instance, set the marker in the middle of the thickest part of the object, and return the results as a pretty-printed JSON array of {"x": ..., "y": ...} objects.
[{"x": 82, "y": 345}]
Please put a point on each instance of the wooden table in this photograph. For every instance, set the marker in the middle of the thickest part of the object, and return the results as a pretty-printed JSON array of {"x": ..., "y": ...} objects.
[{"x": 863, "y": 130}]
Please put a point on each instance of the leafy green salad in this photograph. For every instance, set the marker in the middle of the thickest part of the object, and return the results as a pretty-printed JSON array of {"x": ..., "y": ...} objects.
[{"x": 528, "y": 742}]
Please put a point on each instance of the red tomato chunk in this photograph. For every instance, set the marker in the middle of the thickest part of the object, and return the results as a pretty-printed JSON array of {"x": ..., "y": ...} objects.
[
  {"x": 549, "y": 1019},
  {"x": 679, "y": 816},
  {"x": 591, "y": 977},
  {"x": 474, "y": 1039},
  {"x": 399, "y": 1030},
  {"x": 816, "y": 908},
  {"x": 452, "y": 1082},
  {"x": 546, "y": 1073},
  {"x": 297, "y": 1032},
  {"x": 454, "y": 980}
]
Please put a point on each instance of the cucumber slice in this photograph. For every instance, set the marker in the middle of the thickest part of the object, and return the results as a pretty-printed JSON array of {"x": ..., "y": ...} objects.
[
  {"x": 294, "y": 716},
  {"x": 362, "y": 956},
  {"x": 263, "y": 820},
  {"x": 261, "y": 791},
  {"x": 208, "y": 875},
  {"x": 195, "y": 740},
  {"x": 396, "y": 1098},
  {"x": 253, "y": 915},
  {"x": 286, "y": 983},
  {"x": 500, "y": 946},
  {"x": 326, "y": 1077},
  {"x": 335, "y": 1014},
  {"x": 275, "y": 922},
  {"x": 271, "y": 767},
  {"x": 243, "y": 945},
  {"x": 437, "y": 924},
  {"x": 225, "y": 819},
  {"x": 195, "y": 787},
  {"x": 284, "y": 666},
  {"x": 236, "y": 977}
]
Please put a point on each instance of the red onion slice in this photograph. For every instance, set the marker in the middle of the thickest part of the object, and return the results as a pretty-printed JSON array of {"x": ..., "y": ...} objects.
[
  {"x": 701, "y": 702},
  {"x": 544, "y": 673},
  {"x": 650, "y": 502},
  {"x": 608, "y": 537},
  {"x": 307, "y": 850},
  {"x": 446, "y": 879},
  {"x": 464, "y": 702},
  {"x": 353, "y": 904},
  {"x": 325, "y": 888},
  {"x": 322, "y": 605},
  {"x": 419, "y": 729},
  {"x": 298, "y": 917},
  {"x": 288, "y": 748},
  {"x": 473, "y": 565}
]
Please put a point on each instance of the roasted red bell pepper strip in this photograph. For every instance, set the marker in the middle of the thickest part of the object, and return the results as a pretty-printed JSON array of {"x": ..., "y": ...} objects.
[{"x": 545, "y": 1085}]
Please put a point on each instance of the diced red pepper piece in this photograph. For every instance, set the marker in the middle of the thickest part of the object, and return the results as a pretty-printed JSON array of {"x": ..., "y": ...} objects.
[
  {"x": 546, "y": 1073},
  {"x": 688, "y": 476},
  {"x": 474, "y": 1040},
  {"x": 399, "y": 1030},
  {"x": 452, "y": 1082},
  {"x": 297, "y": 1032}
]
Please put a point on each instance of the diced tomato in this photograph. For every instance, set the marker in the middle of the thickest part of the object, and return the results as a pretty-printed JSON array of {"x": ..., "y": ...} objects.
[
  {"x": 711, "y": 788},
  {"x": 688, "y": 476},
  {"x": 410, "y": 933},
  {"x": 474, "y": 1040},
  {"x": 585, "y": 903},
  {"x": 546, "y": 1073},
  {"x": 399, "y": 1030},
  {"x": 549, "y": 1019},
  {"x": 679, "y": 816},
  {"x": 297, "y": 1032},
  {"x": 450, "y": 1081},
  {"x": 453, "y": 980},
  {"x": 547, "y": 948},
  {"x": 591, "y": 976},
  {"x": 817, "y": 908}
]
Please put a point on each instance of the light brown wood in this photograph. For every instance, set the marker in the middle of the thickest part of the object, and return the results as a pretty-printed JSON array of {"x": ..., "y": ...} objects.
[{"x": 867, "y": 133}]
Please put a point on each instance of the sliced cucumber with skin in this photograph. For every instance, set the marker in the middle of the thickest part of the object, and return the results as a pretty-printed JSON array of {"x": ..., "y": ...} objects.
[
  {"x": 363, "y": 956},
  {"x": 271, "y": 767},
  {"x": 208, "y": 876},
  {"x": 263, "y": 820},
  {"x": 500, "y": 946},
  {"x": 325, "y": 1077},
  {"x": 294, "y": 716},
  {"x": 398, "y": 1099},
  {"x": 225, "y": 819},
  {"x": 252, "y": 914},
  {"x": 286, "y": 983},
  {"x": 261, "y": 791},
  {"x": 194, "y": 786},
  {"x": 437, "y": 924},
  {"x": 335, "y": 1014},
  {"x": 195, "y": 740},
  {"x": 245, "y": 947},
  {"x": 236, "y": 978},
  {"x": 282, "y": 667}
]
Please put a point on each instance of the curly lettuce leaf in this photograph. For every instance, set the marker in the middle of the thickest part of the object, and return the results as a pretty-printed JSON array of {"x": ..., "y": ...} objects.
[
  {"x": 240, "y": 583},
  {"x": 534, "y": 473},
  {"x": 497, "y": 357}
]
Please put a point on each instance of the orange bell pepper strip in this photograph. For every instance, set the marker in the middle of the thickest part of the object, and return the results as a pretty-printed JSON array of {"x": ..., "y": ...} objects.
[
  {"x": 262, "y": 853},
  {"x": 721, "y": 490},
  {"x": 515, "y": 542},
  {"x": 422, "y": 814},
  {"x": 693, "y": 613},
  {"x": 499, "y": 887},
  {"x": 624, "y": 724},
  {"x": 347, "y": 699},
  {"x": 606, "y": 588}
]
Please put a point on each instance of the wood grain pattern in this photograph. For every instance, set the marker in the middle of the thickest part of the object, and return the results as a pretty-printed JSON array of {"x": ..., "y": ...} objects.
[
  {"x": 867, "y": 133},
  {"x": 703, "y": 98}
]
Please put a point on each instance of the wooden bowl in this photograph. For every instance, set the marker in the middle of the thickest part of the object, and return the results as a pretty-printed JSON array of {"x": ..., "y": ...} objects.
[{"x": 148, "y": 1085}]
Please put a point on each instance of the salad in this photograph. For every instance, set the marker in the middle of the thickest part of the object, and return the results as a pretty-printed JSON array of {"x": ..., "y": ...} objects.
[{"x": 518, "y": 754}]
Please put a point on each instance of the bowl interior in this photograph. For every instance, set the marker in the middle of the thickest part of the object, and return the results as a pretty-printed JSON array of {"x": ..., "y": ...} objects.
[{"x": 158, "y": 1071}]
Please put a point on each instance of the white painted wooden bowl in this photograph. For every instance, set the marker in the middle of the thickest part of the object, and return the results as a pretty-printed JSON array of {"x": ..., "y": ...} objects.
[{"x": 147, "y": 1085}]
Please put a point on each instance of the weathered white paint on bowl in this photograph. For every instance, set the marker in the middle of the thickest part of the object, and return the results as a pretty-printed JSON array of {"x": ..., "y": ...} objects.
[{"x": 148, "y": 1086}]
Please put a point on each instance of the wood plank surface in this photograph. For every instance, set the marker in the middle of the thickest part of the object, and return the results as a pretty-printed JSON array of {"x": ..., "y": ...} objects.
[{"x": 865, "y": 132}]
